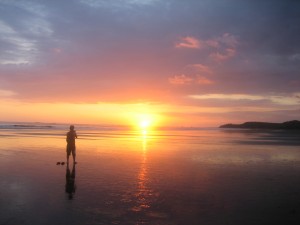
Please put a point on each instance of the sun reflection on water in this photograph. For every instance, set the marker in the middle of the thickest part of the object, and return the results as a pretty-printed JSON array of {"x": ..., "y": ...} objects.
[{"x": 144, "y": 193}]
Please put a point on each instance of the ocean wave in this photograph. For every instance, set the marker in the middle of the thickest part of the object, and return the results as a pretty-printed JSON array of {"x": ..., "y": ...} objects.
[{"x": 23, "y": 126}]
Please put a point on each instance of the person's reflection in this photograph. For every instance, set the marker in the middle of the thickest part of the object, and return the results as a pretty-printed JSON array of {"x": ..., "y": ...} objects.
[{"x": 70, "y": 181}]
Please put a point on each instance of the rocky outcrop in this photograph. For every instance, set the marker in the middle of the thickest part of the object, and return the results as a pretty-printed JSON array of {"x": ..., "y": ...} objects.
[{"x": 289, "y": 125}]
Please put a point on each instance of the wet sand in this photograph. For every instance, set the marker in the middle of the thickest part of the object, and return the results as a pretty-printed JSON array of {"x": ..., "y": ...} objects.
[{"x": 199, "y": 177}]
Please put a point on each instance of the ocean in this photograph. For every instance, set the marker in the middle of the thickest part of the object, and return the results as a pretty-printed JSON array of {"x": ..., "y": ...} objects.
[{"x": 170, "y": 176}]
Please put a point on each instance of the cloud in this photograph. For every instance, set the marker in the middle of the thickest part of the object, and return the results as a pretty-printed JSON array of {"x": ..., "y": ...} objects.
[
  {"x": 224, "y": 47},
  {"x": 117, "y": 3},
  {"x": 227, "y": 39},
  {"x": 295, "y": 57},
  {"x": 200, "y": 68},
  {"x": 203, "y": 80},
  {"x": 228, "y": 96},
  {"x": 219, "y": 49},
  {"x": 212, "y": 43},
  {"x": 6, "y": 93},
  {"x": 21, "y": 41},
  {"x": 288, "y": 100},
  {"x": 220, "y": 57},
  {"x": 295, "y": 83},
  {"x": 120, "y": 46},
  {"x": 186, "y": 80},
  {"x": 29, "y": 6},
  {"x": 188, "y": 42},
  {"x": 19, "y": 50},
  {"x": 57, "y": 50},
  {"x": 119, "y": 51},
  {"x": 181, "y": 80}
]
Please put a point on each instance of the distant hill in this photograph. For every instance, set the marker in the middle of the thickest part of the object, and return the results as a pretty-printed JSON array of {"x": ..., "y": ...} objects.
[{"x": 289, "y": 125}]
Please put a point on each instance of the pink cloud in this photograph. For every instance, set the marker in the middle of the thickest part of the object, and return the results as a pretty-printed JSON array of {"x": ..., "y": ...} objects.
[
  {"x": 219, "y": 48},
  {"x": 189, "y": 42},
  {"x": 212, "y": 43},
  {"x": 225, "y": 41},
  {"x": 224, "y": 47}
]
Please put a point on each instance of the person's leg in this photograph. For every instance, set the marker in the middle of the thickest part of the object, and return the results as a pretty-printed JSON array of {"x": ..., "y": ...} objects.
[
  {"x": 74, "y": 155},
  {"x": 68, "y": 154}
]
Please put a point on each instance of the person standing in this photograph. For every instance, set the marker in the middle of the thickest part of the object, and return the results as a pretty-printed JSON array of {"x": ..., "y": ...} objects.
[{"x": 71, "y": 147}]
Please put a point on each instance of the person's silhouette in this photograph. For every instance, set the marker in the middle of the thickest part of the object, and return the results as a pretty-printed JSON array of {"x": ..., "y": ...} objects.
[
  {"x": 71, "y": 147},
  {"x": 70, "y": 182}
]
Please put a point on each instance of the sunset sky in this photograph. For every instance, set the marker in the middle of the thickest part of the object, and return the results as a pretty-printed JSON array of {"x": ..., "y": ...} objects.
[{"x": 172, "y": 62}]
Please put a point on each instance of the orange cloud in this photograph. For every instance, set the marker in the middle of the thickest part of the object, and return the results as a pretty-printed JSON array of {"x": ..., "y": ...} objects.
[
  {"x": 203, "y": 80},
  {"x": 6, "y": 93},
  {"x": 180, "y": 79},
  {"x": 184, "y": 80}
]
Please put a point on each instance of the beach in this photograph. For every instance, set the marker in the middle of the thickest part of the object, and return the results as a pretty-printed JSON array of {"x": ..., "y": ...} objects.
[{"x": 168, "y": 177}]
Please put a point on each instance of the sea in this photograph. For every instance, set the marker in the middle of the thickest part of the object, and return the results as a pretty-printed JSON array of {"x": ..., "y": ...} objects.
[{"x": 162, "y": 176}]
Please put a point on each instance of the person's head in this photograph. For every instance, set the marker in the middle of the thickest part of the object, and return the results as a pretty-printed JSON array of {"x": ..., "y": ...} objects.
[{"x": 72, "y": 127}]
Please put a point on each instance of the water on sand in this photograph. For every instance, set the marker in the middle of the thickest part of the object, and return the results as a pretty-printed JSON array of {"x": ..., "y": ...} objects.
[{"x": 204, "y": 176}]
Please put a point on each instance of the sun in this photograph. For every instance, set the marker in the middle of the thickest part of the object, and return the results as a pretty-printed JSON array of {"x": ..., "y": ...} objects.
[
  {"x": 145, "y": 121},
  {"x": 144, "y": 124}
]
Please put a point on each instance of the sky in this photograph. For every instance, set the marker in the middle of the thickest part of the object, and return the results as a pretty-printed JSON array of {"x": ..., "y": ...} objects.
[{"x": 171, "y": 62}]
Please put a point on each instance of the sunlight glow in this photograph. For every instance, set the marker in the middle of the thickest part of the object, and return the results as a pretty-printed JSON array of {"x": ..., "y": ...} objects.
[
  {"x": 144, "y": 124},
  {"x": 145, "y": 121}
]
